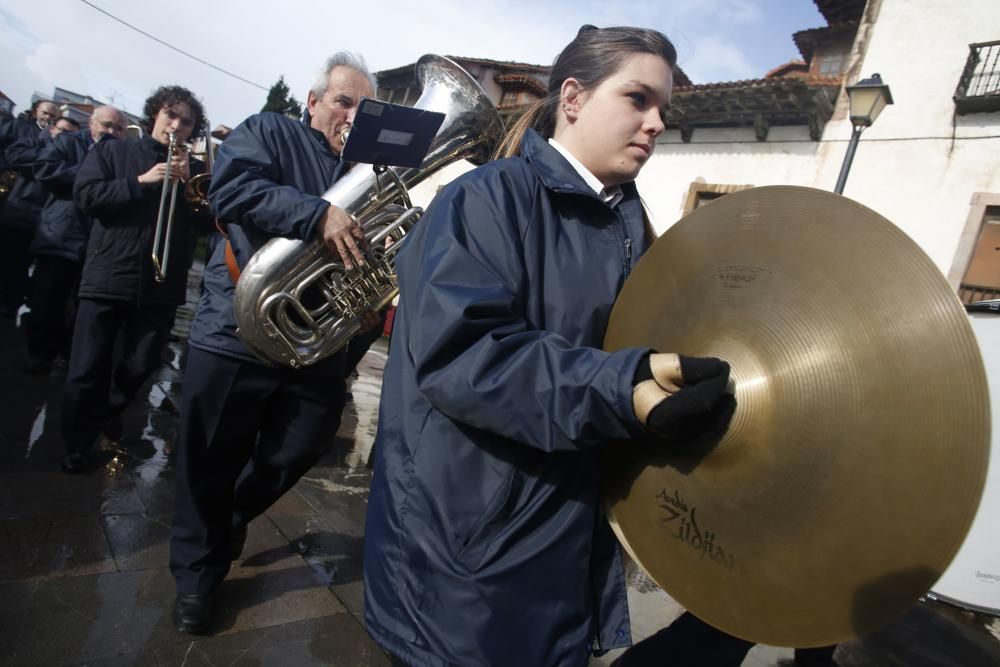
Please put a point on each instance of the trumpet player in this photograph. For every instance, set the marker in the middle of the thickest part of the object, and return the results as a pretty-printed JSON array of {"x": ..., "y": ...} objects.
[
  {"x": 250, "y": 430},
  {"x": 120, "y": 186}
]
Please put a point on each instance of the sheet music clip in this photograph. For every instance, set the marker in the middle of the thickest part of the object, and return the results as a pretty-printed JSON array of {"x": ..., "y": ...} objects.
[{"x": 390, "y": 135}]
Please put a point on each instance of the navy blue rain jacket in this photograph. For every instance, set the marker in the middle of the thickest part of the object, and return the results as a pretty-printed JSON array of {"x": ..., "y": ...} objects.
[
  {"x": 267, "y": 181},
  {"x": 485, "y": 542},
  {"x": 23, "y": 207},
  {"x": 63, "y": 228},
  {"x": 118, "y": 265}
]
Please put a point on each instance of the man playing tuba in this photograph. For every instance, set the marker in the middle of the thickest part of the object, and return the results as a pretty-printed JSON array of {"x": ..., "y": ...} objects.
[{"x": 250, "y": 430}]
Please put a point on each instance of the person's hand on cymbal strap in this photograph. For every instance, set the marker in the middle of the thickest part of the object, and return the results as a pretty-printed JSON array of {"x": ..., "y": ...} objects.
[{"x": 683, "y": 398}]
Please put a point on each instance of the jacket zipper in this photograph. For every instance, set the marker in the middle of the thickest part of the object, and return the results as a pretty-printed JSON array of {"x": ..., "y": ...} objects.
[{"x": 628, "y": 246}]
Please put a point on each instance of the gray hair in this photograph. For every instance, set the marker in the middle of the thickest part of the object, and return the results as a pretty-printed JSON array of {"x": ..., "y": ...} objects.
[{"x": 341, "y": 59}]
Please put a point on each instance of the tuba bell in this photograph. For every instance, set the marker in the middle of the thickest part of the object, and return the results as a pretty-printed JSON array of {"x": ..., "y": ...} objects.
[{"x": 295, "y": 303}]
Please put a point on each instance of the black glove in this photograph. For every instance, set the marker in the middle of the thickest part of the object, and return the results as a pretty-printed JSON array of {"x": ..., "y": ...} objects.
[
  {"x": 697, "y": 369},
  {"x": 703, "y": 407},
  {"x": 698, "y": 412},
  {"x": 694, "y": 369}
]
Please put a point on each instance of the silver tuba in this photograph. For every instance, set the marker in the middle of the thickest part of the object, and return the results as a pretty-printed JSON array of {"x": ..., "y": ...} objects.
[{"x": 295, "y": 303}]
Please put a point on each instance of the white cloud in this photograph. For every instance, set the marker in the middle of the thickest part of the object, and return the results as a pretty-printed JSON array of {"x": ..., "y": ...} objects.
[
  {"x": 716, "y": 59},
  {"x": 50, "y": 64}
]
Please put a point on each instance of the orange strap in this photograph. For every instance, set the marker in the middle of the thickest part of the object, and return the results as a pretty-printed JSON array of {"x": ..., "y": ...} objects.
[{"x": 231, "y": 264}]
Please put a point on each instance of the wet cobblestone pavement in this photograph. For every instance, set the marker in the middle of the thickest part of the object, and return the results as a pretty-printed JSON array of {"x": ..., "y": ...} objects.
[{"x": 83, "y": 558}]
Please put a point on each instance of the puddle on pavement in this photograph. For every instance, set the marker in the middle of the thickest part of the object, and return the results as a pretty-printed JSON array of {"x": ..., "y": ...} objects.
[
  {"x": 160, "y": 397},
  {"x": 324, "y": 562},
  {"x": 21, "y": 312},
  {"x": 37, "y": 429},
  {"x": 152, "y": 467}
]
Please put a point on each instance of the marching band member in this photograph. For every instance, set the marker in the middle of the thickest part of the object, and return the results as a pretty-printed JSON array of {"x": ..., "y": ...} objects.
[
  {"x": 485, "y": 543},
  {"x": 250, "y": 430},
  {"x": 21, "y": 140},
  {"x": 60, "y": 241},
  {"x": 119, "y": 186}
]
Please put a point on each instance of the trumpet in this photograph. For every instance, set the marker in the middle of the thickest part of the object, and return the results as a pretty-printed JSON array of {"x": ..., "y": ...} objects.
[
  {"x": 164, "y": 229},
  {"x": 195, "y": 193}
]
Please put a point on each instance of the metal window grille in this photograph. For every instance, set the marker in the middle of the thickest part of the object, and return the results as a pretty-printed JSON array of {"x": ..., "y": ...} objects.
[{"x": 979, "y": 87}]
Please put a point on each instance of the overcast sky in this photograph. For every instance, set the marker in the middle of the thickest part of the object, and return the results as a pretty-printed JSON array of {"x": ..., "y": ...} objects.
[{"x": 70, "y": 44}]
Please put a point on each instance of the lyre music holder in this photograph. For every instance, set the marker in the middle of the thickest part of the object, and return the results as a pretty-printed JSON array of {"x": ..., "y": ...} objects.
[{"x": 390, "y": 135}]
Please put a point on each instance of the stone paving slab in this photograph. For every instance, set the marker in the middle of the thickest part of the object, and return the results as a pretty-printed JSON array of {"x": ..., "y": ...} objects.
[
  {"x": 331, "y": 640},
  {"x": 53, "y": 494},
  {"x": 52, "y": 548},
  {"x": 251, "y": 598},
  {"x": 138, "y": 541},
  {"x": 80, "y": 618}
]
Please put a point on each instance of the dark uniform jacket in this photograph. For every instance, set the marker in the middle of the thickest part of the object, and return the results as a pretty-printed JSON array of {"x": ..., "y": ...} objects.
[
  {"x": 23, "y": 207},
  {"x": 118, "y": 265},
  {"x": 267, "y": 181},
  {"x": 63, "y": 228},
  {"x": 485, "y": 543}
]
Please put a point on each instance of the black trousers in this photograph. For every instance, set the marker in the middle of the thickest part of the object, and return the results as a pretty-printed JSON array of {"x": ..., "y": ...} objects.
[
  {"x": 49, "y": 326},
  {"x": 95, "y": 391},
  {"x": 248, "y": 434},
  {"x": 691, "y": 642},
  {"x": 15, "y": 258}
]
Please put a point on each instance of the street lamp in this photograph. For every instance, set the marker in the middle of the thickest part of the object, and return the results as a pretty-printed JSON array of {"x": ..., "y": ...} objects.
[{"x": 868, "y": 98}]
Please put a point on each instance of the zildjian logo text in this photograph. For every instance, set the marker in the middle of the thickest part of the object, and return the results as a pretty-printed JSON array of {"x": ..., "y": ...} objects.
[{"x": 686, "y": 529}]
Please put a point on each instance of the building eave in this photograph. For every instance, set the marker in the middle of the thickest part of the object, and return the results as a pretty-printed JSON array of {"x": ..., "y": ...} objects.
[
  {"x": 758, "y": 103},
  {"x": 806, "y": 40}
]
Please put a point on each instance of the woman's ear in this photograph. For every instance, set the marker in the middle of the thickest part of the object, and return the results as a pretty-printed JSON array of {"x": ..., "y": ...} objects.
[{"x": 571, "y": 97}]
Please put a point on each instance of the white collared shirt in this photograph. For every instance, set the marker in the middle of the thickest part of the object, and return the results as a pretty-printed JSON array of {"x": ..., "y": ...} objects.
[{"x": 610, "y": 196}]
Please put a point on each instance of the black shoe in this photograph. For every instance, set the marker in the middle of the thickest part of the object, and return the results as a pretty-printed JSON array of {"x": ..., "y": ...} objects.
[
  {"x": 73, "y": 463},
  {"x": 237, "y": 541},
  {"x": 193, "y": 613},
  {"x": 112, "y": 429}
]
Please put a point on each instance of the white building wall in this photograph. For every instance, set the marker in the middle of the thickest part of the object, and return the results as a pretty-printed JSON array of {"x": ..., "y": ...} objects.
[
  {"x": 729, "y": 156},
  {"x": 908, "y": 167}
]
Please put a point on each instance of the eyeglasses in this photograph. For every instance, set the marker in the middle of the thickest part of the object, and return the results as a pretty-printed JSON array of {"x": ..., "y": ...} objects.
[{"x": 111, "y": 125}]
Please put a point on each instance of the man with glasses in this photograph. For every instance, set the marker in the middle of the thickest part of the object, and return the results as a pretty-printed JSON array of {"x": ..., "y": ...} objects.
[
  {"x": 119, "y": 186},
  {"x": 113, "y": 126},
  {"x": 60, "y": 241}
]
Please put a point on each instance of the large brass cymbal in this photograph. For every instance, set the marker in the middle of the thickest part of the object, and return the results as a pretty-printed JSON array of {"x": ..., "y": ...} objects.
[{"x": 857, "y": 455}]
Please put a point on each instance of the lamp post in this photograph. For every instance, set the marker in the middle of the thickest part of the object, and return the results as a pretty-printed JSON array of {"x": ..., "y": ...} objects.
[{"x": 868, "y": 98}]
